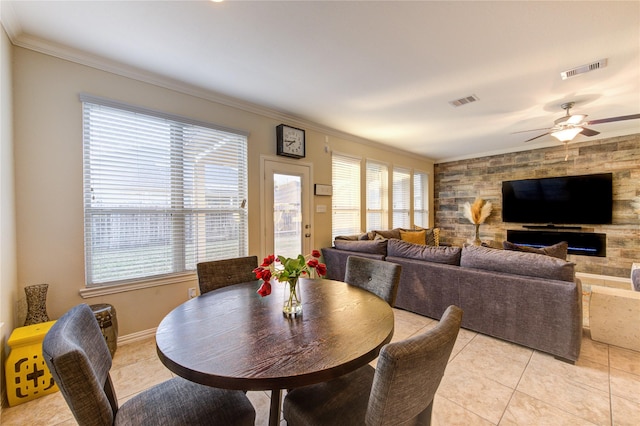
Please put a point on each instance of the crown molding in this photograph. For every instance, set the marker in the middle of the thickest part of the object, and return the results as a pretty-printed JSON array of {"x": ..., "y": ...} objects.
[
  {"x": 20, "y": 39},
  {"x": 9, "y": 21},
  {"x": 541, "y": 145}
]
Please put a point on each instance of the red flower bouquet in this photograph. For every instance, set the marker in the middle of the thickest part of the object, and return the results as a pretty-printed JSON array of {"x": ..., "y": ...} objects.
[{"x": 288, "y": 270}]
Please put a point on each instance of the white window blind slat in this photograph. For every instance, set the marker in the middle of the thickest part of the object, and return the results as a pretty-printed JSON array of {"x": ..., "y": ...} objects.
[
  {"x": 421, "y": 199},
  {"x": 377, "y": 179},
  {"x": 161, "y": 194},
  {"x": 346, "y": 195},
  {"x": 401, "y": 197}
]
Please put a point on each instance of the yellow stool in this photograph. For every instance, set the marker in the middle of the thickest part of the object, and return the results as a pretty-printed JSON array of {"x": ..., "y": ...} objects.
[{"x": 27, "y": 374}]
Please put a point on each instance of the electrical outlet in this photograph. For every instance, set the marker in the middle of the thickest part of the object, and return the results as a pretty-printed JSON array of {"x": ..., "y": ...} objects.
[{"x": 192, "y": 292}]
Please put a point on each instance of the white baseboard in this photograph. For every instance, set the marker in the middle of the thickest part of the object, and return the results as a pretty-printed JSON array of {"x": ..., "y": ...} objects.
[
  {"x": 139, "y": 335},
  {"x": 604, "y": 280}
]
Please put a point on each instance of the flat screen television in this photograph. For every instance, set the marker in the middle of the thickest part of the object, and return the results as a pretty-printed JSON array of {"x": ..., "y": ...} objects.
[{"x": 586, "y": 199}]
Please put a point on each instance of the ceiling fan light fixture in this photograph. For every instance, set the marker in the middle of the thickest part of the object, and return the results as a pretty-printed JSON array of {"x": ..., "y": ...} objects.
[
  {"x": 576, "y": 119},
  {"x": 567, "y": 134}
]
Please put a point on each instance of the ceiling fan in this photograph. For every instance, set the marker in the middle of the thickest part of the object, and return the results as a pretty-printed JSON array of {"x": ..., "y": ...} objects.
[{"x": 569, "y": 126}]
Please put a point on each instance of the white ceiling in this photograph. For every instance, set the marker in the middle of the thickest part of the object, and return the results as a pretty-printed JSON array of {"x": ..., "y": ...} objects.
[{"x": 383, "y": 71}]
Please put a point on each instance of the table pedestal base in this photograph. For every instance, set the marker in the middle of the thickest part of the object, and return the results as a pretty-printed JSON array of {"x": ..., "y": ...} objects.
[{"x": 274, "y": 408}]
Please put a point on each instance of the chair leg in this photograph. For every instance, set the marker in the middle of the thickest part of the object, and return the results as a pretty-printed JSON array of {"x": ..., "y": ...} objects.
[
  {"x": 424, "y": 418},
  {"x": 111, "y": 394}
]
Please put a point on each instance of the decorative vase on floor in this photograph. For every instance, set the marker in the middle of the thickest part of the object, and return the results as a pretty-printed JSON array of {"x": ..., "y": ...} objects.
[
  {"x": 108, "y": 321},
  {"x": 292, "y": 300},
  {"x": 36, "y": 304}
]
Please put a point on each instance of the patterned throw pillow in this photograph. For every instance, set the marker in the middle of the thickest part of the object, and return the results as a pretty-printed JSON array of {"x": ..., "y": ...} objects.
[{"x": 436, "y": 236}]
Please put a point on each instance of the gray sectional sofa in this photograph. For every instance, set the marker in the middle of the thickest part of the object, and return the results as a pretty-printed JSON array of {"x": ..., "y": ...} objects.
[{"x": 526, "y": 298}]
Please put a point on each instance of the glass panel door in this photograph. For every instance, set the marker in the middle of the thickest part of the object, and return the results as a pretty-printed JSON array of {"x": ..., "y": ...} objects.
[
  {"x": 287, "y": 207},
  {"x": 287, "y": 214}
]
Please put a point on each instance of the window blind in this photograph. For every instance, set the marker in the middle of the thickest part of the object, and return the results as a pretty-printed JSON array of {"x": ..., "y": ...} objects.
[
  {"x": 161, "y": 193},
  {"x": 401, "y": 197},
  {"x": 346, "y": 195},
  {"x": 377, "y": 179},
  {"x": 421, "y": 199}
]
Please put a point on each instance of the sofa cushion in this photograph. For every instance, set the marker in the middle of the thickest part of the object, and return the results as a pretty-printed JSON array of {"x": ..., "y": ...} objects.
[
  {"x": 517, "y": 262},
  {"x": 416, "y": 237},
  {"x": 446, "y": 255},
  {"x": 558, "y": 250},
  {"x": 373, "y": 247},
  {"x": 635, "y": 276}
]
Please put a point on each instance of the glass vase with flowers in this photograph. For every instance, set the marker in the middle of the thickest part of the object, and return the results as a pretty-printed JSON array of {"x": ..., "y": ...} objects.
[{"x": 289, "y": 270}]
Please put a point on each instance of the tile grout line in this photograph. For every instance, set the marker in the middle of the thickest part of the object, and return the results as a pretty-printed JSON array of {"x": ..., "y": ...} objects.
[
  {"x": 610, "y": 389},
  {"x": 515, "y": 388},
  {"x": 581, "y": 385}
]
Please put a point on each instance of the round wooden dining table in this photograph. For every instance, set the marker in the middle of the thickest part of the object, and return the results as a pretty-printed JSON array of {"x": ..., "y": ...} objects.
[{"x": 233, "y": 338}]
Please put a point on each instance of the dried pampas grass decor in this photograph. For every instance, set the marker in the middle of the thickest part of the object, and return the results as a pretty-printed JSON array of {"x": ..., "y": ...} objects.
[{"x": 477, "y": 212}]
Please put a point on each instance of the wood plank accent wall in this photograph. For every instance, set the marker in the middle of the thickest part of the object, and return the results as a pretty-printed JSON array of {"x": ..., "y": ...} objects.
[{"x": 457, "y": 182}]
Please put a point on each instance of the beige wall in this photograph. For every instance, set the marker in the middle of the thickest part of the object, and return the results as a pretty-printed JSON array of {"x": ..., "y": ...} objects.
[
  {"x": 8, "y": 272},
  {"x": 48, "y": 150}
]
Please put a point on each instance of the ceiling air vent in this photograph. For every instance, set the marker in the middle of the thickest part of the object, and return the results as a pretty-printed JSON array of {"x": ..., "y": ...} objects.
[
  {"x": 583, "y": 69},
  {"x": 464, "y": 101}
]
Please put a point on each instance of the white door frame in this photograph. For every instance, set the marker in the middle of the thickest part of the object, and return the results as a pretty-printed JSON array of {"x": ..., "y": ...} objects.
[{"x": 284, "y": 163}]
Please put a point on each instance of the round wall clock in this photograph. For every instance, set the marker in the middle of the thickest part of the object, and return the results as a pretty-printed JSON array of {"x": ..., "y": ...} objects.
[{"x": 290, "y": 141}]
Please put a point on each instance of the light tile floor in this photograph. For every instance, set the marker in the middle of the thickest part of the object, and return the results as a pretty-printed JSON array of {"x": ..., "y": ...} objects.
[{"x": 487, "y": 382}]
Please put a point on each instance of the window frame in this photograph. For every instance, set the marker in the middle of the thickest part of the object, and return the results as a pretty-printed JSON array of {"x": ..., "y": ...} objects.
[{"x": 180, "y": 271}]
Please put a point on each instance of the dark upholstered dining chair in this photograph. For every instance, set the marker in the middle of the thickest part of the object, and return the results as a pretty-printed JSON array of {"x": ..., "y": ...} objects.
[
  {"x": 79, "y": 360},
  {"x": 377, "y": 276},
  {"x": 399, "y": 391},
  {"x": 221, "y": 273}
]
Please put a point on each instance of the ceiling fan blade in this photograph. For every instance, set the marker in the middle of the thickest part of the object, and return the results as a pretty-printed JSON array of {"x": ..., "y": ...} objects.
[
  {"x": 611, "y": 119},
  {"x": 589, "y": 132},
  {"x": 539, "y": 136},
  {"x": 530, "y": 130}
]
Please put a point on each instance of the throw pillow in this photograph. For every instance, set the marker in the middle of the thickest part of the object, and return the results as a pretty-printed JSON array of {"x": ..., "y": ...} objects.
[
  {"x": 389, "y": 233},
  {"x": 416, "y": 237},
  {"x": 558, "y": 250},
  {"x": 436, "y": 236},
  {"x": 432, "y": 237}
]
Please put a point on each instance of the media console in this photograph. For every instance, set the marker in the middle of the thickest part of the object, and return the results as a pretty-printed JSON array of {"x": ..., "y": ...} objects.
[{"x": 580, "y": 243}]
